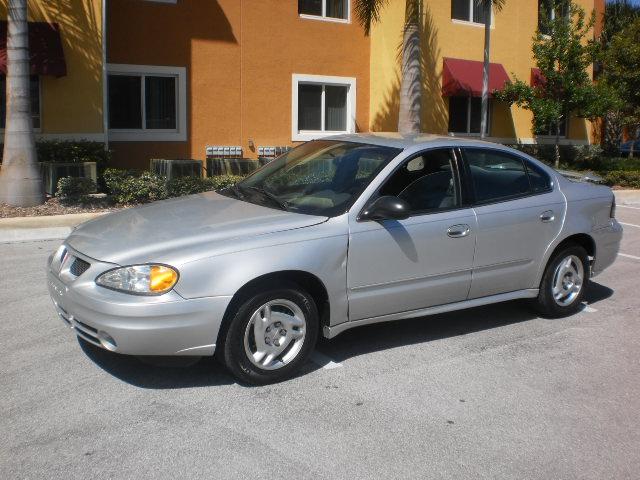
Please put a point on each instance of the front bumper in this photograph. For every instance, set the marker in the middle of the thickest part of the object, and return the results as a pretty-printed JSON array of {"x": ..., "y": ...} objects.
[{"x": 135, "y": 325}]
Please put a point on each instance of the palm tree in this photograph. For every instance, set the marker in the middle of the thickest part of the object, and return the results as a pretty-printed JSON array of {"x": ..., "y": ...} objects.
[
  {"x": 368, "y": 12},
  {"x": 20, "y": 180},
  {"x": 488, "y": 6}
]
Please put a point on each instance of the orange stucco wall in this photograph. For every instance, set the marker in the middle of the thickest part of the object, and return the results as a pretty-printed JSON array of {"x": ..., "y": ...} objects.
[{"x": 240, "y": 57}]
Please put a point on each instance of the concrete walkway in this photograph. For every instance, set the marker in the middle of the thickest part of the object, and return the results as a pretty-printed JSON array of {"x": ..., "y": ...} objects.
[
  {"x": 627, "y": 197},
  {"x": 53, "y": 227}
]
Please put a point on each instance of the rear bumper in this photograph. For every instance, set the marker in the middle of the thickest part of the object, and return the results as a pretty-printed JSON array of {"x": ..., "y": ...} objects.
[
  {"x": 137, "y": 325},
  {"x": 607, "y": 240}
]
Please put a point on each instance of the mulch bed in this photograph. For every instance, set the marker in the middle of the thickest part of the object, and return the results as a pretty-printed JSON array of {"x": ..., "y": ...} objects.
[{"x": 53, "y": 206}]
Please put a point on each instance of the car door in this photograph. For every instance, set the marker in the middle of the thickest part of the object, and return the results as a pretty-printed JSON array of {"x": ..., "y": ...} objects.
[
  {"x": 519, "y": 213},
  {"x": 425, "y": 260}
]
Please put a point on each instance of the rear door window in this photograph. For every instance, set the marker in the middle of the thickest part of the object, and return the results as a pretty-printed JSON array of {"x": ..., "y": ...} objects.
[{"x": 496, "y": 175}]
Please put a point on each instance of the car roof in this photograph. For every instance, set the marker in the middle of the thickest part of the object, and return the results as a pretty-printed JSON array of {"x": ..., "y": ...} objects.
[{"x": 397, "y": 140}]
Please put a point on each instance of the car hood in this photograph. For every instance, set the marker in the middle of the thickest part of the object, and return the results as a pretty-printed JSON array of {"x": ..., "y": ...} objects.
[{"x": 187, "y": 224}]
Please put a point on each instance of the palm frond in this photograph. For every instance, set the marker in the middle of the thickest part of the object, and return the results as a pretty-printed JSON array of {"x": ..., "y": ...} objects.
[
  {"x": 368, "y": 12},
  {"x": 496, "y": 4}
]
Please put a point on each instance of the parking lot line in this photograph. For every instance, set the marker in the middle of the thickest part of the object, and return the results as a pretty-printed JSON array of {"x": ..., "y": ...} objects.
[
  {"x": 629, "y": 224},
  {"x": 587, "y": 308},
  {"x": 324, "y": 361},
  {"x": 627, "y": 206},
  {"x": 629, "y": 256}
]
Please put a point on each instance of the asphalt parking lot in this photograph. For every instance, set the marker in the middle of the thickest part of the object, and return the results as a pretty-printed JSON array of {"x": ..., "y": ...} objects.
[{"x": 493, "y": 392}]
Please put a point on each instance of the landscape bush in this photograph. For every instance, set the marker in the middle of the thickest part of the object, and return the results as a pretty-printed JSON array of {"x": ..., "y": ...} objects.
[
  {"x": 189, "y": 185},
  {"x": 129, "y": 187},
  {"x": 622, "y": 178},
  {"x": 75, "y": 190}
]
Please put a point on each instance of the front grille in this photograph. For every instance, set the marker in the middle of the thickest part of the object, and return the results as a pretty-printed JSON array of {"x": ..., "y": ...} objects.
[{"x": 78, "y": 267}]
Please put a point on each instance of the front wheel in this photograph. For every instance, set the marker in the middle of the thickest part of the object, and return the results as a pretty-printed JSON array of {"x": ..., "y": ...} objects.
[
  {"x": 564, "y": 281},
  {"x": 271, "y": 335}
]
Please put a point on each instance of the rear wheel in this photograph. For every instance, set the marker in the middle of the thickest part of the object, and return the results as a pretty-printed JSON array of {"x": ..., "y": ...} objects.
[
  {"x": 564, "y": 281},
  {"x": 271, "y": 335}
]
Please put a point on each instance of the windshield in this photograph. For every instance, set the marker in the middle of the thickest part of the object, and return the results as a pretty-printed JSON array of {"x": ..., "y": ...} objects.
[{"x": 322, "y": 177}]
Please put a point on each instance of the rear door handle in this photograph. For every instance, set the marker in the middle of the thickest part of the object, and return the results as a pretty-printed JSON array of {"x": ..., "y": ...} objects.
[
  {"x": 457, "y": 231},
  {"x": 547, "y": 216}
]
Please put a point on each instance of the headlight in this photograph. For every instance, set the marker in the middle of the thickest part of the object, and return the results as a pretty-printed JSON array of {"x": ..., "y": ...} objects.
[{"x": 140, "y": 279}]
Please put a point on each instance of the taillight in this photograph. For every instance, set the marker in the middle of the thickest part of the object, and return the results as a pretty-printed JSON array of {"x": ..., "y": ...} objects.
[{"x": 612, "y": 213}]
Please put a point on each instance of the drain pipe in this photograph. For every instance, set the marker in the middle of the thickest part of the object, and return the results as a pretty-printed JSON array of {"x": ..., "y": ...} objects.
[{"x": 105, "y": 102}]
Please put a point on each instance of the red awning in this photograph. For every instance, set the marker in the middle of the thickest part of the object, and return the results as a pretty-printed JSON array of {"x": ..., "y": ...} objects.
[
  {"x": 45, "y": 49},
  {"x": 464, "y": 77},
  {"x": 537, "y": 78}
]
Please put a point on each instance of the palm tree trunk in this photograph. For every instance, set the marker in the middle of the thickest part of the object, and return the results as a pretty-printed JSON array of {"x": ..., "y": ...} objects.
[
  {"x": 409, "y": 117},
  {"x": 20, "y": 180},
  {"x": 484, "y": 116}
]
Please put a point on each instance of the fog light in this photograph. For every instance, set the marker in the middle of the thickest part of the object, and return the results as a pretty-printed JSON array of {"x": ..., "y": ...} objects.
[{"x": 107, "y": 341}]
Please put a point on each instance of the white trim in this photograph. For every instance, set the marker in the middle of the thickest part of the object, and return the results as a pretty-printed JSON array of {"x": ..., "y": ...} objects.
[
  {"x": 472, "y": 24},
  {"x": 324, "y": 18},
  {"x": 155, "y": 135},
  {"x": 305, "y": 135}
]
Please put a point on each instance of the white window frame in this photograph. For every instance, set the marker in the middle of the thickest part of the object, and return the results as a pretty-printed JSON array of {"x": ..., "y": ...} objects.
[
  {"x": 324, "y": 17},
  {"x": 305, "y": 135},
  {"x": 468, "y": 132},
  {"x": 35, "y": 130},
  {"x": 470, "y": 21},
  {"x": 179, "y": 134}
]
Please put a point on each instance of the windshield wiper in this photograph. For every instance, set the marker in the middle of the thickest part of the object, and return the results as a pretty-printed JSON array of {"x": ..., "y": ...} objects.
[{"x": 275, "y": 200}]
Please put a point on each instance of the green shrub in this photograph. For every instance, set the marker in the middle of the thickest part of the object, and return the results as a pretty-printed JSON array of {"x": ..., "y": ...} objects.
[
  {"x": 72, "y": 152},
  {"x": 219, "y": 182},
  {"x": 190, "y": 185},
  {"x": 75, "y": 190},
  {"x": 130, "y": 187},
  {"x": 623, "y": 178}
]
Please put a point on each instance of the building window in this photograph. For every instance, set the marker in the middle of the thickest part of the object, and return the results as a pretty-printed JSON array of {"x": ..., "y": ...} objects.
[
  {"x": 465, "y": 115},
  {"x": 467, "y": 11},
  {"x": 326, "y": 9},
  {"x": 34, "y": 92},
  {"x": 146, "y": 103},
  {"x": 322, "y": 106}
]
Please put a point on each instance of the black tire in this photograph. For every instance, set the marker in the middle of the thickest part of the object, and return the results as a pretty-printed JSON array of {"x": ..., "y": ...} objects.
[
  {"x": 545, "y": 303},
  {"x": 233, "y": 352}
]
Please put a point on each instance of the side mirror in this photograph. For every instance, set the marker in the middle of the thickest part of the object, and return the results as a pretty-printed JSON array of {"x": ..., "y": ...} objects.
[{"x": 386, "y": 207}]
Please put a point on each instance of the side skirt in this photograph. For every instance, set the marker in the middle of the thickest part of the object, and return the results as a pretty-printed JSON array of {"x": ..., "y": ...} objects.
[{"x": 332, "y": 331}]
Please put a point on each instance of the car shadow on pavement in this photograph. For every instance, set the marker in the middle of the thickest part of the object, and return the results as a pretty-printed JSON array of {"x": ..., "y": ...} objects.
[
  {"x": 190, "y": 372},
  {"x": 159, "y": 372},
  {"x": 388, "y": 335}
]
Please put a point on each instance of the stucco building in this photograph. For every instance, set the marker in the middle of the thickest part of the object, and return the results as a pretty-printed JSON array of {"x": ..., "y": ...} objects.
[{"x": 169, "y": 78}]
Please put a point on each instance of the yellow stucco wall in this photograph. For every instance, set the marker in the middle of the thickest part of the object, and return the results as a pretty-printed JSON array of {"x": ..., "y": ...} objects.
[
  {"x": 513, "y": 30},
  {"x": 72, "y": 105}
]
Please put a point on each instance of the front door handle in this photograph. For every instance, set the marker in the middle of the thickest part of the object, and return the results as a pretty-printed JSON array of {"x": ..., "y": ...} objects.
[
  {"x": 547, "y": 216},
  {"x": 457, "y": 231}
]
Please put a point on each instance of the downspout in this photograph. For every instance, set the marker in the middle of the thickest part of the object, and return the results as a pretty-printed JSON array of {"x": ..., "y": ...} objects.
[{"x": 105, "y": 103}]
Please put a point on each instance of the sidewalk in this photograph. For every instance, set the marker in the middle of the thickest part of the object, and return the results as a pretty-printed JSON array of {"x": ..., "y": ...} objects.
[
  {"x": 54, "y": 227},
  {"x": 627, "y": 197}
]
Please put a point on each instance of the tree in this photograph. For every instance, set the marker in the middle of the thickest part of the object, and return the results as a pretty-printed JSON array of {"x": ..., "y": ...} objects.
[
  {"x": 20, "y": 180},
  {"x": 618, "y": 15},
  {"x": 410, "y": 115},
  {"x": 621, "y": 74},
  {"x": 488, "y": 6},
  {"x": 563, "y": 54}
]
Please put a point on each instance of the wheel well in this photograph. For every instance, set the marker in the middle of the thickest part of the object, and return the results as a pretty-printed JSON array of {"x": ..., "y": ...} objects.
[
  {"x": 582, "y": 239},
  {"x": 307, "y": 281}
]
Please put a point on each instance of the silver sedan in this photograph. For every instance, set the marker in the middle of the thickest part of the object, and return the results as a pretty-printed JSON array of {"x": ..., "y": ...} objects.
[{"x": 337, "y": 233}]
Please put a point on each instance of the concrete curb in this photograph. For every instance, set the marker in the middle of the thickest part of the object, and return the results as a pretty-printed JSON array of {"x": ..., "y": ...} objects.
[
  {"x": 53, "y": 227},
  {"x": 627, "y": 197}
]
